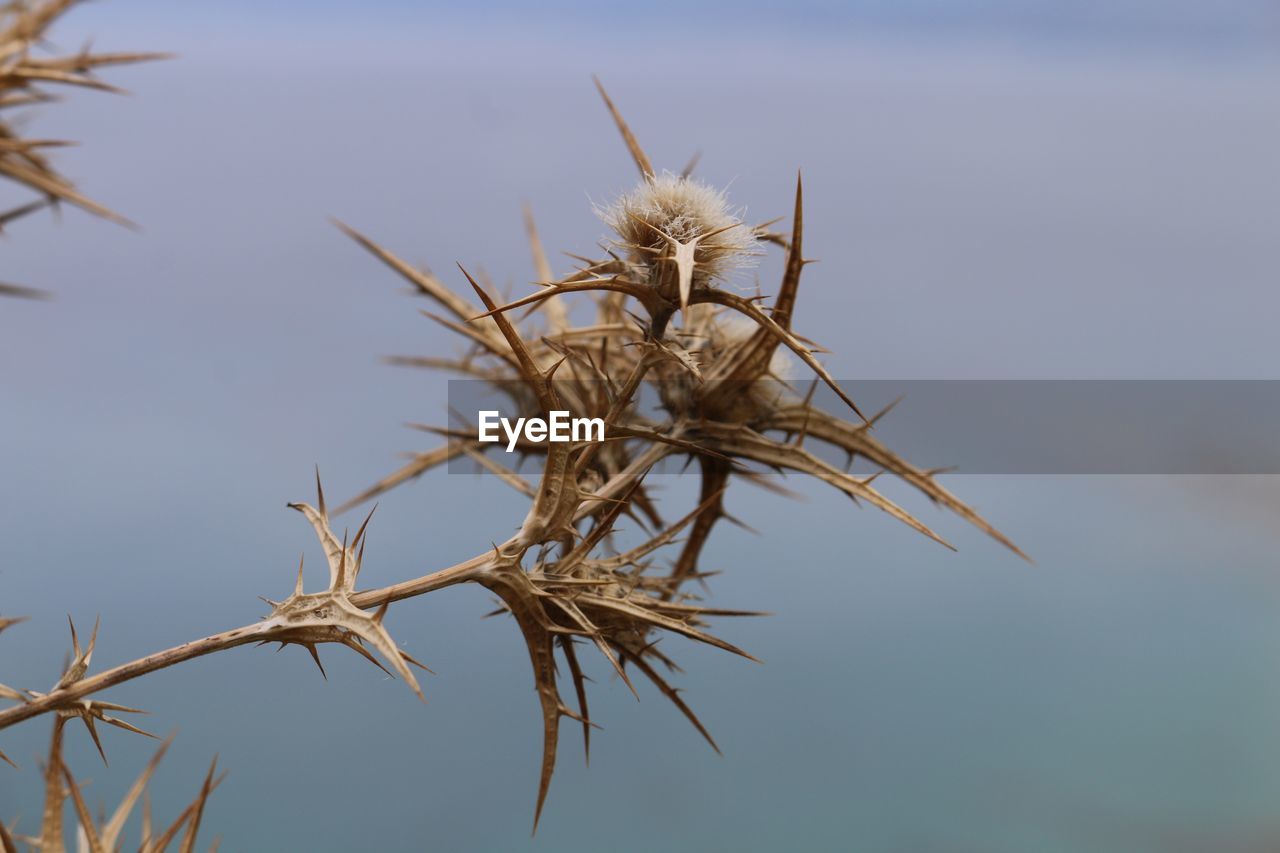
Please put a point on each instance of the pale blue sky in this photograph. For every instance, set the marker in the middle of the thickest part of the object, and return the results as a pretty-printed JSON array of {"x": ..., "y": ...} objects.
[{"x": 1032, "y": 190}]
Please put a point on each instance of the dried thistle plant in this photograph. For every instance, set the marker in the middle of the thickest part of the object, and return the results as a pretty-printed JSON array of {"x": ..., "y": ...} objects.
[
  {"x": 26, "y": 77},
  {"x": 562, "y": 576},
  {"x": 106, "y": 835}
]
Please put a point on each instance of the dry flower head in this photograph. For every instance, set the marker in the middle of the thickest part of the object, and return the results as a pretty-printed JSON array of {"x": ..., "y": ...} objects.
[{"x": 564, "y": 576}]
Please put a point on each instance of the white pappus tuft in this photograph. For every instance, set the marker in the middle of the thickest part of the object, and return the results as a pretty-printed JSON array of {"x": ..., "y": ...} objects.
[{"x": 663, "y": 216}]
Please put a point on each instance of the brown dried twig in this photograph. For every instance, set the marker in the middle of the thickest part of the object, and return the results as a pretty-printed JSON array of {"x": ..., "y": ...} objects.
[
  {"x": 564, "y": 576},
  {"x": 26, "y": 77}
]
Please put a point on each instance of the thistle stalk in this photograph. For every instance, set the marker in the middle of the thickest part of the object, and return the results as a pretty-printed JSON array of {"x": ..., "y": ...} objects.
[{"x": 562, "y": 577}]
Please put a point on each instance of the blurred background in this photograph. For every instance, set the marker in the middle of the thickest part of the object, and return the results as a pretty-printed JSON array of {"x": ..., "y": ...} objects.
[{"x": 1007, "y": 189}]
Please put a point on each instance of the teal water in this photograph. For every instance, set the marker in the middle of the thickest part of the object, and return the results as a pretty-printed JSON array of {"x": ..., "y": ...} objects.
[{"x": 980, "y": 208}]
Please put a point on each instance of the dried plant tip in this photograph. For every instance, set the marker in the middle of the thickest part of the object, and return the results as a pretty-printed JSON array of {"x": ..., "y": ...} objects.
[
  {"x": 23, "y": 76},
  {"x": 633, "y": 145},
  {"x": 679, "y": 233},
  {"x": 21, "y": 292}
]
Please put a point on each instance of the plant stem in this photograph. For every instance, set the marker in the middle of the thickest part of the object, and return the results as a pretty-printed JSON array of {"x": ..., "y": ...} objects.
[{"x": 258, "y": 632}]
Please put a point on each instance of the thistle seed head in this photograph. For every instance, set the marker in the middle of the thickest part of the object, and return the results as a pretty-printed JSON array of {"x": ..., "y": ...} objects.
[{"x": 668, "y": 211}]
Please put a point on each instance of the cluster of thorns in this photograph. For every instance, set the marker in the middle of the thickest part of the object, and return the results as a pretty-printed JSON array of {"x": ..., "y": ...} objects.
[
  {"x": 25, "y": 80},
  {"x": 664, "y": 312}
]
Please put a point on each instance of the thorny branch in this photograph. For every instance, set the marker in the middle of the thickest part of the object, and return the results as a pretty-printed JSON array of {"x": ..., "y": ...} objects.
[
  {"x": 25, "y": 78},
  {"x": 563, "y": 576}
]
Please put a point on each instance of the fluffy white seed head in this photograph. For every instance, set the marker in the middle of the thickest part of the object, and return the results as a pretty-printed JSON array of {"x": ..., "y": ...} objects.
[
  {"x": 714, "y": 336},
  {"x": 674, "y": 208},
  {"x": 731, "y": 329}
]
